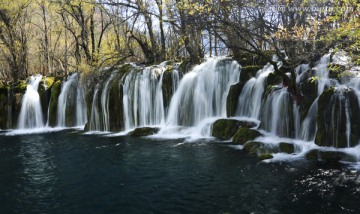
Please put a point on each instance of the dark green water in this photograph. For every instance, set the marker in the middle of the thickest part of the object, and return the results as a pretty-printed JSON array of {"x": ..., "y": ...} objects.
[{"x": 67, "y": 172}]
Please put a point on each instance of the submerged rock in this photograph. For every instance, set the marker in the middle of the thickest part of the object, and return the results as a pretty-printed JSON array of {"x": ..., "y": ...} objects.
[
  {"x": 144, "y": 131},
  {"x": 245, "y": 134},
  {"x": 330, "y": 156},
  {"x": 226, "y": 128},
  {"x": 252, "y": 147},
  {"x": 286, "y": 148},
  {"x": 265, "y": 156}
]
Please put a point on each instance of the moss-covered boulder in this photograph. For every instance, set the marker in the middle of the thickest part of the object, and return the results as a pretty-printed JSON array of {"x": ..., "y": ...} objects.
[
  {"x": 286, "y": 147},
  {"x": 336, "y": 70},
  {"x": 44, "y": 91},
  {"x": 251, "y": 147},
  {"x": 245, "y": 134},
  {"x": 168, "y": 83},
  {"x": 330, "y": 156},
  {"x": 53, "y": 105},
  {"x": 144, "y": 131},
  {"x": 226, "y": 128},
  {"x": 265, "y": 156},
  {"x": 338, "y": 110},
  {"x": 247, "y": 59}
]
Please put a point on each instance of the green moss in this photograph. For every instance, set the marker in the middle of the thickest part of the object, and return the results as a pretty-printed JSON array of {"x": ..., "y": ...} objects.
[
  {"x": 356, "y": 60},
  {"x": 226, "y": 128},
  {"x": 251, "y": 147},
  {"x": 125, "y": 68},
  {"x": 20, "y": 87},
  {"x": 265, "y": 156},
  {"x": 286, "y": 148},
  {"x": 144, "y": 131},
  {"x": 48, "y": 81},
  {"x": 336, "y": 70},
  {"x": 244, "y": 135},
  {"x": 55, "y": 92}
]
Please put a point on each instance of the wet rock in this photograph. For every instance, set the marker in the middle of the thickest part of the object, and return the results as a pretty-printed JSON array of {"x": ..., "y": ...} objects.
[
  {"x": 251, "y": 147},
  {"x": 273, "y": 79},
  {"x": 265, "y": 156},
  {"x": 144, "y": 131},
  {"x": 55, "y": 92},
  {"x": 335, "y": 108},
  {"x": 44, "y": 91},
  {"x": 330, "y": 156},
  {"x": 4, "y": 93},
  {"x": 226, "y": 128},
  {"x": 286, "y": 147},
  {"x": 245, "y": 134},
  {"x": 308, "y": 89},
  {"x": 232, "y": 98},
  {"x": 248, "y": 72}
]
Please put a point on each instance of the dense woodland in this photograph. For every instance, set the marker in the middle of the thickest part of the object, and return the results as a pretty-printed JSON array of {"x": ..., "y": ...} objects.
[{"x": 55, "y": 37}]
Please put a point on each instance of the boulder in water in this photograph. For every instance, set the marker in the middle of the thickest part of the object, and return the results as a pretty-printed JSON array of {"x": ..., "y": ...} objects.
[
  {"x": 144, "y": 131},
  {"x": 245, "y": 134},
  {"x": 265, "y": 156},
  {"x": 251, "y": 147},
  {"x": 330, "y": 156},
  {"x": 226, "y": 128},
  {"x": 286, "y": 147}
]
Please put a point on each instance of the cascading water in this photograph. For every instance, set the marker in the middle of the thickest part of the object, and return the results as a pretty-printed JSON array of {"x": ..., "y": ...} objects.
[
  {"x": 71, "y": 95},
  {"x": 143, "y": 97},
  {"x": 202, "y": 92},
  {"x": 31, "y": 113},
  {"x": 250, "y": 100},
  {"x": 280, "y": 114}
]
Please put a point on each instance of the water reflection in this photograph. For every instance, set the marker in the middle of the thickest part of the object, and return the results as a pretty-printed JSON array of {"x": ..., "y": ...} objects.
[{"x": 38, "y": 177}]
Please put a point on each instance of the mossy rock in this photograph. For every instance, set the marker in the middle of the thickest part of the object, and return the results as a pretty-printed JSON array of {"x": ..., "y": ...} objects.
[
  {"x": 244, "y": 134},
  {"x": 288, "y": 148},
  {"x": 330, "y": 156},
  {"x": 55, "y": 92},
  {"x": 265, "y": 156},
  {"x": 44, "y": 91},
  {"x": 116, "y": 111},
  {"x": 336, "y": 70},
  {"x": 20, "y": 87},
  {"x": 232, "y": 98},
  {"x": 226, "y": 128},
  {"x": 251, "y": 147},
  {"x": 144, "y": 131},
  {"x": 248, "y": 72}
]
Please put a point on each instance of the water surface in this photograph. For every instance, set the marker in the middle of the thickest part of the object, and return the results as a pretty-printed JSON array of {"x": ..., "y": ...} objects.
[{"x": 69, "y": 172}]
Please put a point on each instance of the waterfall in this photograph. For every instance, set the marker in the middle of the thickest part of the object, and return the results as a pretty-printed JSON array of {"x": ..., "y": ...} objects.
[
  {"x": 249, "y": 103},
  {"x": 280, "y": 114},
  {"x": 143, "y": 97},
  {"x": 94, "y": 116},
  {"x": 71, "y": 110},
  {"x": 202, "y": 92},
  {"x": 309, "y": 127},
  {"x": 31, "y": 113}
]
